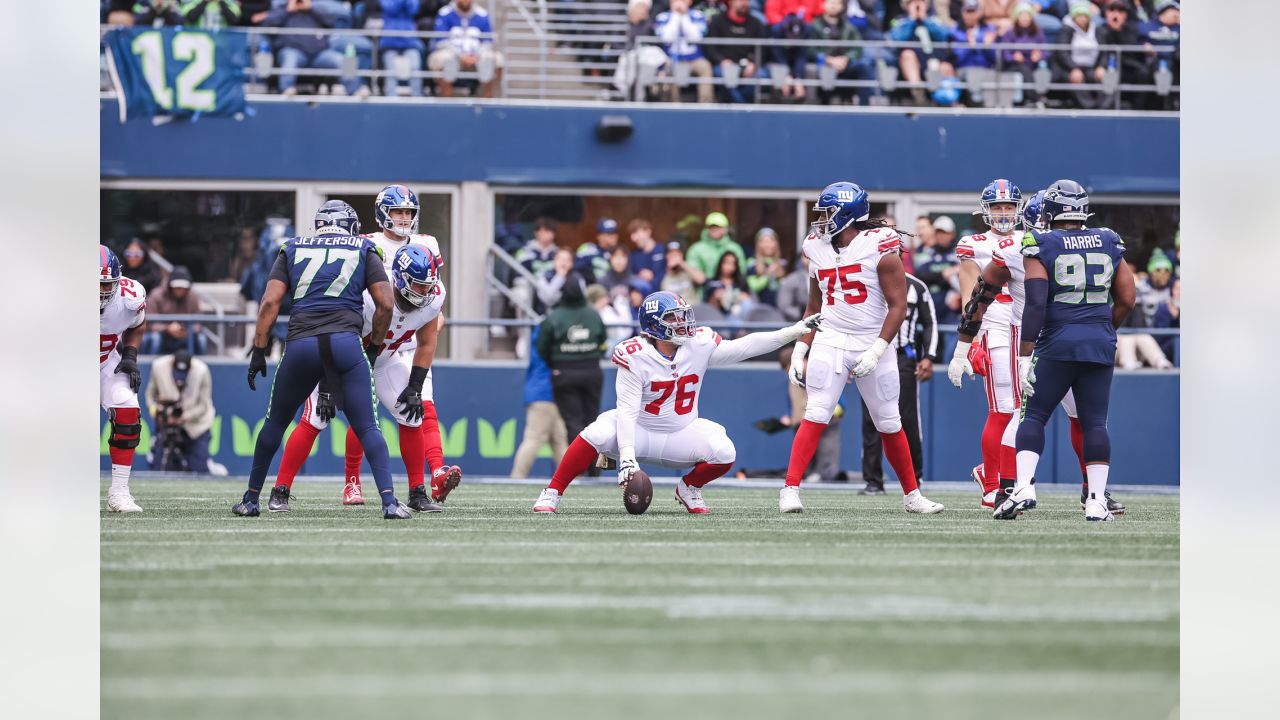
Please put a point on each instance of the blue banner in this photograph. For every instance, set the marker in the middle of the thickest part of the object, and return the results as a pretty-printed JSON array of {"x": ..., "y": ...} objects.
[{"x": 176, "y": 71}]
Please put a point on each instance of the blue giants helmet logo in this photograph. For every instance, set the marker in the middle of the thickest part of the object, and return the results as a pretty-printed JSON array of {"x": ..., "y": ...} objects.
[
  {"x": 395, "y": 197},
  {"x": 414, "y": 274},
  {"x": 666, "y": 316}
]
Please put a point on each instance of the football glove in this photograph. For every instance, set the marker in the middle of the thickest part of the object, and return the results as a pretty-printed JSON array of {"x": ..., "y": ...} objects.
[
  {"x": 411, "y": 396},
  {"x": 960, "y": 365},
  {"x": 129, "y": 365},
  {"x": 627, "y": 465},
  {"x": 1027, "y": 375},
  {"x": 804, "y": 327},
  {"x": 796, "y": 373},
  {"x": 980, "y": 360},
  {"x": 371, "y": 352},
  {"x": 326, "y": 410},
  {"x": 257, "y": 365},
  {"x": 869, "y": 358}
]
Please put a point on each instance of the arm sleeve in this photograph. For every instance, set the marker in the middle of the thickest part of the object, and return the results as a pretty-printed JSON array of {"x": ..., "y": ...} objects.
[
  {"x": 279, "y": 270},
  {"x": 374, "y": 272},
  {"x": 628, "y": 388},
  {"x": 728, "y": 352},
  {"x": 929, "y": 321},
  {"x": 1033, "y": 314}
]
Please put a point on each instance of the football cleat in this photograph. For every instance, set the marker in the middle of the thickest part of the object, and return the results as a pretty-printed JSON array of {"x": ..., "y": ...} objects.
[
  {"x": 1019, "y": 501},
  {"x": 547, "y": 502},
  {"x": 352, "y": 494},
  {"x": 872, "y": 488},
  {"x": 420, "y": 502},
  {"x": 279, "y": 502},
  {"x": 444, "y": 481},
  {"x": 247, "y": 507},
  {"x": 122, "y": 502},
  {"x": 691, "y": 498},
  {"x": 989, "y": 500},
  {"x": 396, "y": 510},
  {"x": 1096, "y": 511},
  {"x": 789, "y": 500},
  {"x": 1115, "y": 506},
  {"x": 915, "y": 502}
]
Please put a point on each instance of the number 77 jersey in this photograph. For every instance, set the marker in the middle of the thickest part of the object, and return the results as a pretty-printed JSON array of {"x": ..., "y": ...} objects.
[{"x": 853, "y": 305}]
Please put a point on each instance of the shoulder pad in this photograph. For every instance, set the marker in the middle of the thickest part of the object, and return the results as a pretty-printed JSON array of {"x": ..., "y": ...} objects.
[
  {"x": 1030, "y": 241},
  {"x": 377, "y": 248}
]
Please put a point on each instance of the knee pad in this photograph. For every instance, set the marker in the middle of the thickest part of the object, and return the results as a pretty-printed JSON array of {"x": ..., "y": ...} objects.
[
  {"x": 600, "y": 435},
  {"x": 889, "y": 426},
  {"x": 816, "y": 412},
  {"x": 723, "y": 451},
  {"x": 126, "y": 428}
]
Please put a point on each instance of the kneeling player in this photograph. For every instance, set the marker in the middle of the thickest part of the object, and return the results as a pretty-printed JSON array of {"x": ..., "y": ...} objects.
[
  {"x": 660, "y": 374},
  {"x": 122, "y": 306},
  {"x": 402, "y": 380}
]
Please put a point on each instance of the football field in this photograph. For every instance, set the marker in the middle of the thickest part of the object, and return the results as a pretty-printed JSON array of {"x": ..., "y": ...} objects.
[{"x": 852, "y": 609}]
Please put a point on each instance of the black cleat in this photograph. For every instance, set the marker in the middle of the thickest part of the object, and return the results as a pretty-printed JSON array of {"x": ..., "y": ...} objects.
[
  {"x": 420, "y": 501},
  {"x": 872, "y": 488},
  {"x": 396, "y": 511},
  {"x": 247, "y": 507},
  {"x": 279, "y": 502},
  {"x": 1115, "y": 507}
]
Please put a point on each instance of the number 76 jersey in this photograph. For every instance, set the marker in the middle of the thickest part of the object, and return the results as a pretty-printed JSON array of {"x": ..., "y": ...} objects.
[
  {"x": 853, "y": 305},
  {"x": 669, "y": 386}
]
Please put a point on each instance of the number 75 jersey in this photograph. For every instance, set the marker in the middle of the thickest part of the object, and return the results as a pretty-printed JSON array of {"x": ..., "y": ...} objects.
[{"x": 853, "y": 305}]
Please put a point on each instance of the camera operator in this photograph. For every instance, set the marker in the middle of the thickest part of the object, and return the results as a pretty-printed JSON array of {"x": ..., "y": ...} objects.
[{"x": 180, "y": 396}]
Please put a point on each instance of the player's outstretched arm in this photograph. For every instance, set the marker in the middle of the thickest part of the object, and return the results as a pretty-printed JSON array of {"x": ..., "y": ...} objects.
[
  {"x": 755, "y": 344},
  {"x": 796, "y": 372},
  {"x": 268, "y": 311},
  {"x": 629, "y": 389},
  {"x": 1124, "y": 293}
]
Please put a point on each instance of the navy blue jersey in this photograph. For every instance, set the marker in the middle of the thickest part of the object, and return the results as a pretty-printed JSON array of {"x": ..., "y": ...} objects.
[
  {"x": 177, "y": 71},
  {"x": 1080, "y": 264},
  {"x": 327, "y": 275}
]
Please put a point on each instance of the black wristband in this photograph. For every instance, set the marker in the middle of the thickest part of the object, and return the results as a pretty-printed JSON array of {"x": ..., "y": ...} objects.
[
  {"x": 257, "y": 352},
  {"x": 129, "y": 352},
  {"x": 417, "y": 376}
]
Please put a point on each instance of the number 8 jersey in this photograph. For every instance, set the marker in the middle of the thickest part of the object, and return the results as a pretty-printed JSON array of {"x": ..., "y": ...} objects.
[
  {"x": 669, "y": 386},
  {"x": 853, "y": 305}
]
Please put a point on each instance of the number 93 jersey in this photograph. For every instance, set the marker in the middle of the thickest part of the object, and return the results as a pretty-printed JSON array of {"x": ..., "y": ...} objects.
[
  {"x": 669, "y": 386},
  {"x": 853, "y": 305},
  {"x": 1080, "y": 264},
  {"x": 402, "y": 334}
]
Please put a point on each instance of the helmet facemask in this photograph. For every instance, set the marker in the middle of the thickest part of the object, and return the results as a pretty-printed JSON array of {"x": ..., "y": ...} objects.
[
  {"x": 679, "y": 325},
  {"x": 107, "y": 289},
  {"x": 418, "y": 293},
  {"x": 400, "y": 226},
  {"x": 1002, "y": 215}
]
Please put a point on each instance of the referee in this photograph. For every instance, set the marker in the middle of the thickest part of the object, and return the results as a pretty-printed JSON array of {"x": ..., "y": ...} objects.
[{"x": 917, "y": 346}]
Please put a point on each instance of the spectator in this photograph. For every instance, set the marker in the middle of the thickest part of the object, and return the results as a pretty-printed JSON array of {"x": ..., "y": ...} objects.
[
  {"x": 1165, "y": 32},
  {"x": 1048, "y": 15},
  {"x": 180, "y": 397},
  {"x": 682, "y": 29},
  {"x": 793, "y": 291},
  {"x": 937, "y": 266},
  {"x": 728, "y": 290},
  {"x": 648, "y": 260},
  {"x": 401, "y": 54},
  {"x": 767, "y": 268},
  {"x": 173, "y": 298},
  {"x": 973, "y": 39},
  {"x": 119, "y": 12},
  {"x": 635, "y": 56},
  {"x": 1082, "y": 62},
  {"x": 833, "y": 24},
  {"x": 213, "y": 14},
  {"x": 246, "y": 254},
  {"x": 1155, "y": 308},
  {"x": 619, "y": 277},
  {"x": 542, "y": 422},
  {"x": 1024, "y": 30},
  {"x": 917, "y": 26},
  {"x": 681, "y": 278},
  {"x": 714, "y": 242},
  {"x": 571, "y": 342},
  {"x": 737, "y": 23},
  {"x": 139, "y": 267},
  {"x": 1120, "y": 29},
  {"x": 789, "y": 20},
  {"x": 157, "y": 13},
  {"x": 538, "y": 255},
  {"x": 593, "y": 257},
  {"x": 615, "y": 313},
  {"x": 295, "y": 51},
  {"x": 825, "y": 466},
  {"x": 551, "y": 282},
  {"x": 998, "y": 13},
  {"x": 469, "y": 46}
]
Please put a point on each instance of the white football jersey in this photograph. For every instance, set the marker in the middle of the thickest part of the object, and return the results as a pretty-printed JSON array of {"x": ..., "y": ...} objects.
[
  {"x": 128, "y": 309},
  {"x": 853, "y": 305},
  {"x": 389, "y": 247},
  {"x": 402, "y": 335},
  {"x": 1010, "y": 256},
  {"x": 981, "y": 248},
  {"x": 669, "y": 398}
]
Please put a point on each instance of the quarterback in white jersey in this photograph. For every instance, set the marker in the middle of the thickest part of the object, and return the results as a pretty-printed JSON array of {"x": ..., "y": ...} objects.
[
  {"x": 402, "y": 383},
  {"x": 660, "y": 375},
  {"x": 859, "y": 283},
  {"x": 397, "y": 211},
  {"x": 122, "y": 310}
]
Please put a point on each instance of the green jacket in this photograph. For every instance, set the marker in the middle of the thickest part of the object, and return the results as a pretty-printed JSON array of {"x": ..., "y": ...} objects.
[
  {"x": 705, "y": 254},
  {"x": 571, "y": 333}
]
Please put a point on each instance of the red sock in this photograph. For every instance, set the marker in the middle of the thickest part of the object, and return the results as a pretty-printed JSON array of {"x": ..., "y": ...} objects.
[
  {"x": 125, "y": 416},
  {"x": 705, "y": 472},
  {"x": 431, "y": 432},
  {"x": 1008, "y": 463},
  {"x": 296, "y": 450},
  {"x": 991, "y": 434},
  {"x": 803, "y": 447},
  {"x": 413, "y": 450},
  {"x": 898, "y": 451},
  {"x": 355, "y": 455},
  {"x": 1077, "y": 444},
  {"x": 576, "y": 460}
]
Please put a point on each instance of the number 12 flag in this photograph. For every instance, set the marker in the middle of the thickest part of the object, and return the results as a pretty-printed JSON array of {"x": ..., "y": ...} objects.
[{"x": 176, "y": 71}]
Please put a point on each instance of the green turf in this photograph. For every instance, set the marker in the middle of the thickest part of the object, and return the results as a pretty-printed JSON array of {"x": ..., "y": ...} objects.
[{"x": 853, "y": 609}]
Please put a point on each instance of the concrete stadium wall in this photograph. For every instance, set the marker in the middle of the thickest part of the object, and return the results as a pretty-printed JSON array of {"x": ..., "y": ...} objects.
[{"x": 482, "y": 417}]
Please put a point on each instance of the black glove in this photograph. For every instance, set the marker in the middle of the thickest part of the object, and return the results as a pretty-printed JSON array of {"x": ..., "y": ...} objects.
[
  {"x": 129, "y": 364},
  {"x": 325, "y": 408},
  {"x": 371, "y": 352},
  {"x": 411, "y": 396},
  {"x": 257, "y": 365}
]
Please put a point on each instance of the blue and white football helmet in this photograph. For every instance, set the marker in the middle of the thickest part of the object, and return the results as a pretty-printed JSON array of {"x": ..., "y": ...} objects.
[
  {"x": 414, "y": 274},
  {"x": 397, "y": 196},
  {"x": 109, "y": 273},
  {"x": 1065, "y": 200},
  {"x": 665, "y": 315},
  {"x": 840, "y": 205},
  {"x": 338, "y": 214},
  {"x": 1031, "y": 214},
  {"x": 1001, "y": 192}
]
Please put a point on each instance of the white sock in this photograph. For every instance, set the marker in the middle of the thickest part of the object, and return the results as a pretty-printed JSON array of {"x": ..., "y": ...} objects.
[
  {"x": 1097, "y": 474},
  {"x": 1027, "y": 462},
  {"x": 913, "y": 493},
  {"x": 119, "y": 478}
]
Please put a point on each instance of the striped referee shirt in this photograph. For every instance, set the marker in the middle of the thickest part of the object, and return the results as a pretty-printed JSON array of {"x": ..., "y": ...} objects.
[{"x": 919, "y": 329}]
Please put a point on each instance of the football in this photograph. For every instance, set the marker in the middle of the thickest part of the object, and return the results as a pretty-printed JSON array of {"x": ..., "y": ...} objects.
[{"x": 637, "y": 493}]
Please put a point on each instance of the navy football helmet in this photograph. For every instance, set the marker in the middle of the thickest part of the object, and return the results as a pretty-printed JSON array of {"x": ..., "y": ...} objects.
[
  {"x": 392, "y": 197},
  {"x": 1065, "y": 200},
  {"x": 109, "y": 274},
  {"x": 840, "y": 205},
  {"x": 336, "y": 213},
  {"x": 1001, "y": 192},
  {"x": 665, "y": 315},
  {"x": 414, "y": 274},
  {"x": 1031, "y": 214}
]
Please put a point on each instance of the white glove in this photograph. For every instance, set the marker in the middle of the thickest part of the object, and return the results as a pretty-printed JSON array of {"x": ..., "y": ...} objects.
[
  {"x": 796, "y": 373},
  {"x": 960, "y": 365},
  {"x": 804, "y": 327},
  {"x": 626, "y": 466},
  {"x": 870, "y": 357},
  {"x": 1026, "y": 375}
]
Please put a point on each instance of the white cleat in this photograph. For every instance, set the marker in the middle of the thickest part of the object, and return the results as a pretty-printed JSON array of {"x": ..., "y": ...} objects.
[
  {"x": 789, "y": 500},
  {"x": 122, "y": 502},
  {"x": 548, "y": 501},
  {"x": 989, "y": 500},
  {"x": 1019, "y": 501},
  {"x": 1096, "y": 511},
  {"x": 915, "y": 502},
  {"x": 691, "y": 498}
]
